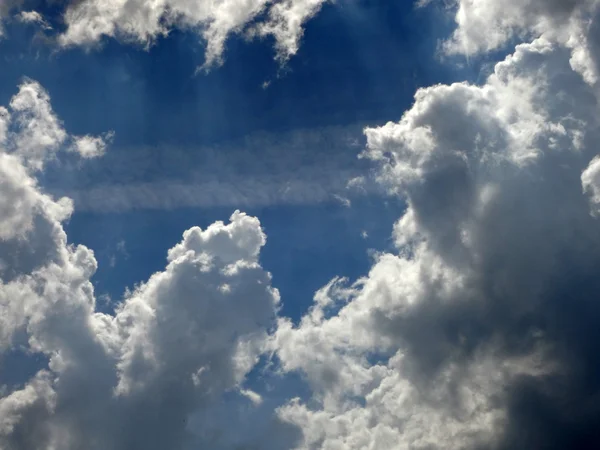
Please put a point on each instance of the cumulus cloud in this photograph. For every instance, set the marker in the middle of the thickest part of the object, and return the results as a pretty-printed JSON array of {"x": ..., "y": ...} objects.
[
  {"x": 481, "y": 330},
  {"x": 175, "y": 345},
  {"x": 34, "y": 132},
  {"x": 39, "y": 133},
  {"x": 486, "y": 25},
  {"x": 91, "y": 146}
]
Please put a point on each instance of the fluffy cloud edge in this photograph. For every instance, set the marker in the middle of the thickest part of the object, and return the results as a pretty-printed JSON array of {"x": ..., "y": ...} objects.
[
  {"x": 88, "y": 22},
  {"x": 174, "y": 347}
]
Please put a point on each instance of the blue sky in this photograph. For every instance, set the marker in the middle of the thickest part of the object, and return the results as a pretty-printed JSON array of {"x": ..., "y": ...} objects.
[
  {"x": 299, "y": 224},
  {"x": 341, "y": 80}
]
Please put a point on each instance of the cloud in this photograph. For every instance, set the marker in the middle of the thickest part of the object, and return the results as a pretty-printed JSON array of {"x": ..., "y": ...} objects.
[
  {"x": 305, "y": 166},
  {"x": 34, "y": 132},
  {"x": 39, "y": 133},
  {"x": 480, "y": 331},
  {"x": 487, "y": 25},
  {"x": 175, "y": 345},
  {"x": 92, "y": 146},
  {"x": 33, "y": 17},
  {"x": 257, "y": 190},
  {"x": 590, "y": 180},
  {"x": 285, "y": 25},
  {"x": 88, "y": 22}
]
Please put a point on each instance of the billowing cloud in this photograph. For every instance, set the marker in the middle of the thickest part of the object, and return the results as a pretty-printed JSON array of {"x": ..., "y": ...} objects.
[
  {"x": 481, "y": 331},
  {"x": 34, "y": 132},
  {"x": 175, "y": 345},
  {"x": 486, "y": 25}
]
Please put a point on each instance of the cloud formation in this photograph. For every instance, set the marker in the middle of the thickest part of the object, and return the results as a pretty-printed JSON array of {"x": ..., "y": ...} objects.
[
  {"x": 176, "y": 344},
  {"x": 480, "y": 332},
  {"x": 487, "y": 25},
  {"x": 89, "y": 21}
]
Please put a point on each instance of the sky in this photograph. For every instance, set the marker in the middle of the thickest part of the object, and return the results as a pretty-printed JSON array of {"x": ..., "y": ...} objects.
[{"x": 299, "y": 224}]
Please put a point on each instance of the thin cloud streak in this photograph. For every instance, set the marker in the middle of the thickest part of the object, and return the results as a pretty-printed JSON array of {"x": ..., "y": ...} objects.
[
  {"x": 300, "y": 167},
  {"x": 243, "y": 192}
]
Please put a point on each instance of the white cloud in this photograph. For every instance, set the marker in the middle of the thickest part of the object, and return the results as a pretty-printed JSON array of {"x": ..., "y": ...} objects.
[
  {"x": 285, "y": 24},
  {"x": 142, "y": 21},
  {"x": 91, "y": 146},
  {"x": 33, "y": 17},
  {"x": 34, "y": 132},
  {"x": 590, "y": 180},
  {"x": 175, "y": 345},
  {"x": 39, "y": 133},
  {"x": 486, "y": 25},
  {"x": 300, "y": 167},
  {"x": 4, "y": 121}
]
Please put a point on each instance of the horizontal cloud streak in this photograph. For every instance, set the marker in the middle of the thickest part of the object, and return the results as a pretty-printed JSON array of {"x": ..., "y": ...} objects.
[
  {"x": 243, "y": 192},
  {"x": 299, "y": 167}
]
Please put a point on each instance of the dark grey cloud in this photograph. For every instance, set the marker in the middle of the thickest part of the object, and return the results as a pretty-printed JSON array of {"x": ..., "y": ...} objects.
[{"x": 481, "y": 332}]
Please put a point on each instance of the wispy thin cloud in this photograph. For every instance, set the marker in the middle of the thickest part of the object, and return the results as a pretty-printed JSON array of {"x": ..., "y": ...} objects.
[{"x": 298, "y": 167}]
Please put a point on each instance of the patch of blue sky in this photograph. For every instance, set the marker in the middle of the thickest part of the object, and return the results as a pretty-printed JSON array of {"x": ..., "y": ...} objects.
[
  {"x": 190, "y": 148},
  {"x": 307, "y": 245}
]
